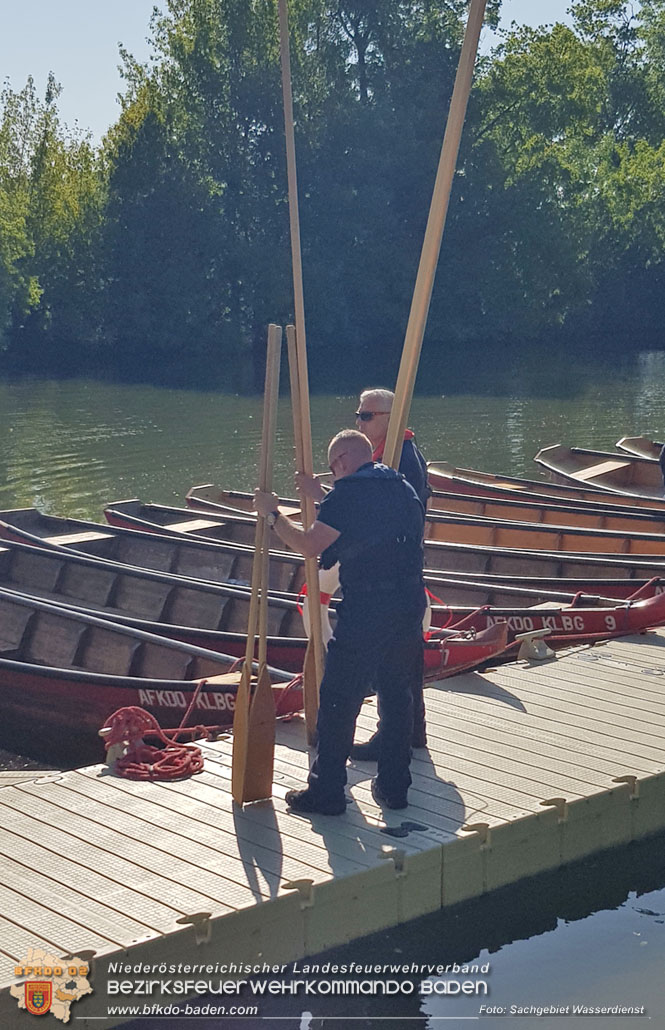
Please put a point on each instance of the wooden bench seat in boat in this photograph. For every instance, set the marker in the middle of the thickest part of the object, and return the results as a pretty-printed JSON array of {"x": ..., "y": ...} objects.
[
  {"x": 71, "y": 539},
  {"x": 601, "y": 469},
  {"x": 194, "y": 525}
]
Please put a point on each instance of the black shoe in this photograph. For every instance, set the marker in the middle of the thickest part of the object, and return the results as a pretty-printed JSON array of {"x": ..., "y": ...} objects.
[
  {"x": 397, "y": 801},
  {"x": 367, "y": 752},
  {"x": 307, "y": 801}
]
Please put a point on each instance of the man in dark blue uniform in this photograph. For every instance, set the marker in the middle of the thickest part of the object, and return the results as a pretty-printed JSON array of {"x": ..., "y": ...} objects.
[
  {"x": 372, "y": 418},
  {"x": 371, "y": 522}
]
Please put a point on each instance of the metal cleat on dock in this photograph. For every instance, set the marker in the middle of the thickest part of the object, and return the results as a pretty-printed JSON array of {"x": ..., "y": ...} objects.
[
  {"x": 202, "y": 926},
  {"x": 305, "y": 888},
  {"x": 533, "y": 647}
]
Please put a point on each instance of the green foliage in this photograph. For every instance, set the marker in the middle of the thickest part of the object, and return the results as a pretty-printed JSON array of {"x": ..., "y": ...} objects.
[
  {"x": 51, "y": 193},
  {"x": 19, "y": 291},
  {"x": 163, "y": 255}
]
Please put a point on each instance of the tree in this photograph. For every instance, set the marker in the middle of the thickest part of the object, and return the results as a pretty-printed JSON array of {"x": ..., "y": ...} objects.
[{"x": 19, "y": 291}]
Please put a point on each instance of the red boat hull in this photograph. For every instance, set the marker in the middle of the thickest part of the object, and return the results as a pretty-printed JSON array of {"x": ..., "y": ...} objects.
[
  {"x": 572, "y": 625},
  {"x": 65, "y": 709}
]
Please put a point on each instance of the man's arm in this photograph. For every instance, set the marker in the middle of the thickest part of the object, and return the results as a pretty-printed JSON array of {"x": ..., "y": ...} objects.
[{"x": 308, "y": 542}]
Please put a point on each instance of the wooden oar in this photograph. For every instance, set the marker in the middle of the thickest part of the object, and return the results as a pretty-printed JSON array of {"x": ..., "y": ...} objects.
[
  {"x": 254, "y": 716},
  {"x": 422, "y": 293},
  {"x": 313, "y": 663},
  {"x": 310, "y": 688}
]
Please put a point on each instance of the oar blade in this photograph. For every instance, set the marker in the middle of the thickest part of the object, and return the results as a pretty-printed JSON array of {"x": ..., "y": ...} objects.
[{"x": 261, "y": 740}]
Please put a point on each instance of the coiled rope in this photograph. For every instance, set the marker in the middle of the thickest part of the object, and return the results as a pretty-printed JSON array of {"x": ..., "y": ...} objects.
[{"x": 125, "y": 730}]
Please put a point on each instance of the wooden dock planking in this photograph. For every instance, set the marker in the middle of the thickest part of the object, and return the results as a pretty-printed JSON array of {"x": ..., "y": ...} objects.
[
  {"x": 151, "y": 915},
  {"x": 528, "y": 767}
]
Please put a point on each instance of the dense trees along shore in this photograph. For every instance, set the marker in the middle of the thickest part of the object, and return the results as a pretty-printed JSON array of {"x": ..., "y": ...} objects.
[{"x": 162, "y": 254}]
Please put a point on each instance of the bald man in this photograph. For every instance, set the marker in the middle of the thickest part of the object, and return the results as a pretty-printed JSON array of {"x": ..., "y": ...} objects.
[{"x": 372, "y": 523}]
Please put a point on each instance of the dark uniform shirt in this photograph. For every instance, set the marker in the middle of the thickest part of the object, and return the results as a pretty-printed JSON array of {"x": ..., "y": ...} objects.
[
  {"x": 380, "y": 520},
  {"x": 413, "y": 467}
]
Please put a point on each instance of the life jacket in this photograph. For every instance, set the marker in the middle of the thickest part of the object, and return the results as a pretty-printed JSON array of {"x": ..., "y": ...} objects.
[{"x": 377, "y": 454}]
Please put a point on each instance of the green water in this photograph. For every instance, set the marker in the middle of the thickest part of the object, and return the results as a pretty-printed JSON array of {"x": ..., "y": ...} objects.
[{"x": 71, "y": 447}]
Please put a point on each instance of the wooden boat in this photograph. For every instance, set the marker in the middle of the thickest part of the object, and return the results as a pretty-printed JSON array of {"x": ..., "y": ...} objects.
[
  {"x": 582, "y": 514},
  {"x": 159, "y": 597},
  {"x": 624, "y": 474},
  {"x": 162, "y": 552},
  {"x": 473, "y": 500},
  {"x": 172, "y": 552},
  {"x": 62, "y": 673},
  {"x": 194, "y": 612},
  {"x": 206, "y": 615},
  {"x": 574, "y": 623},
  {"x": 641, "y": 446},
  {"x": 228, "y": 526},
  {"x": 452, "y": 528},
  {"x": 476, "y": 588},
  {"x": 569, "y": 619},
  {"x": 445, "y": 477},
  {"x": 488, "y": 532},
  {"x": 214, "y": 616},
  {"x": 65, "y": 577},
  {"x": 148, "y": 601}
]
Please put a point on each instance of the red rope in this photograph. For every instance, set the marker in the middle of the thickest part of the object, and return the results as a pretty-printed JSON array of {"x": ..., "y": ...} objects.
[
  {"x": 142, "y": 761},
  {"x": 291, "y": 685},
  {"x": 443, "y": 604}
]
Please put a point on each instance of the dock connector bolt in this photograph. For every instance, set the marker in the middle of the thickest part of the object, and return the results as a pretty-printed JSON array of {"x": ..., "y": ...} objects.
[
  {"x": 632, "y": 782},
  {"x": 482, "y": 829},
  {"x": 202, "y": 926},
  {"x": 305, "y": 888},
  {"x": 398, "y": 858},
  {"x": 533, "y": 647},
  {"x": 561, "y": 806}
]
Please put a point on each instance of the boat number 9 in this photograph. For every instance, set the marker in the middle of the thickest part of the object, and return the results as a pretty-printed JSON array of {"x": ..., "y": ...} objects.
[{"x": 610, "y": 622}]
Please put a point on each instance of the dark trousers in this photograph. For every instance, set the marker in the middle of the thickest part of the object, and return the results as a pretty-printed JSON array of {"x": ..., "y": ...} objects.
[{"x": 370, "y": 650}]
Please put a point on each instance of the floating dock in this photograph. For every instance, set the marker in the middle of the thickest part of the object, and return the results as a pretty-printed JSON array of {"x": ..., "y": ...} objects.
[{"x": 528, "y": 767}]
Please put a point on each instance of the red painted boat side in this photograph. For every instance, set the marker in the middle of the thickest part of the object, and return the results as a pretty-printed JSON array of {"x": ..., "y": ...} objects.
[{"x": 575, "y": 625}]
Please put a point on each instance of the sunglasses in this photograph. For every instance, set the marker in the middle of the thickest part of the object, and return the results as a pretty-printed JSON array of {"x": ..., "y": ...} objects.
[{"x": 367, "y": 416}]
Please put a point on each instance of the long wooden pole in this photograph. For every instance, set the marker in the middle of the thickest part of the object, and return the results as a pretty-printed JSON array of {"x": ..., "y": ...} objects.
[
  {"x": 307, "y": 505},
  {"x": 429, "y": 257},
  {"x": 311, "y": 672},
  {"x": 254, "y": 716}
]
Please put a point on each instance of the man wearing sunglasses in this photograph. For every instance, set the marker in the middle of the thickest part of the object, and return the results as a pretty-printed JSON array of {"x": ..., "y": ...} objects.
[
  {"x": 372, "y": 418},
  {"x": 372, "y": 523}
]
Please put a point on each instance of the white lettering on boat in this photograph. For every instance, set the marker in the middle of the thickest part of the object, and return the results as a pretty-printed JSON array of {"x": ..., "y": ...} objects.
[
  {"x": 163, "y": 698},
  {"x": 527, "y": 623}
]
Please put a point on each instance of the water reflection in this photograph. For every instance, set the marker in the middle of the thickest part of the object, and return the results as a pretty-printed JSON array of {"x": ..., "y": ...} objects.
[{"x": 74, "y": 446}]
